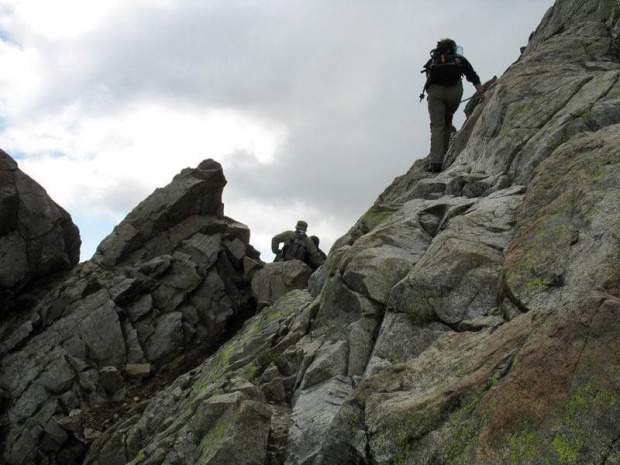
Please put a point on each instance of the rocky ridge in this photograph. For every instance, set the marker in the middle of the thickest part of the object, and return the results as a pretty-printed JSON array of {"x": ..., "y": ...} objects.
[
  {"x": 467, "y": 318},
  {"x": 158, "y": 296}
]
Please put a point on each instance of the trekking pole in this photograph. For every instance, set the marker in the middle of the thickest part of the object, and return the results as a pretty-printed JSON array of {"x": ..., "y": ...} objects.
[{"x": 468, "y": 99}]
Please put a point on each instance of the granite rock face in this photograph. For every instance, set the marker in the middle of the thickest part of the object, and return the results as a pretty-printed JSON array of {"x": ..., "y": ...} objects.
[
  {"x": 469, "y": 317},
  {"x": 37, "y": 237},
  {"x": 162, "y": 291}
]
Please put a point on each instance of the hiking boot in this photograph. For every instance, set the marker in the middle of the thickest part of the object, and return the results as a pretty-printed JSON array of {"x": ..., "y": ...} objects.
[{"x": 433, "y": 168}]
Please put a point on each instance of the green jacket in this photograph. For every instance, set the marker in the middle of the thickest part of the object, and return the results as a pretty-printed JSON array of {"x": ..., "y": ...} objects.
[{"x": 313, "y": 257}]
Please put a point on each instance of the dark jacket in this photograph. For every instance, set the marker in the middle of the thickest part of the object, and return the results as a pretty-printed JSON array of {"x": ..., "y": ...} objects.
[
  {"x": 465, "y": 67},
  {"x": 313, "y": 258}
]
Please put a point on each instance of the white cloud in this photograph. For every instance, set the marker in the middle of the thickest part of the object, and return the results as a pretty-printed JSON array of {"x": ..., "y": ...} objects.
[
  {"x": 21, "y": 80},
  {"x": 61, "y": 19},
  {"x": 111, "y": 162}
]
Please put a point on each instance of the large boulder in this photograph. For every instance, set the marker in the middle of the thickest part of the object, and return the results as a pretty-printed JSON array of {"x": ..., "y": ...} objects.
[
  {"x": 276, "y": 279},
  {"x": 37, "y": 237}
]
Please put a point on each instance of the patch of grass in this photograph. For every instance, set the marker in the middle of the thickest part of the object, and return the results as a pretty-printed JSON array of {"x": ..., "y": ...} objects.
[{"x": 265, "y": 358}]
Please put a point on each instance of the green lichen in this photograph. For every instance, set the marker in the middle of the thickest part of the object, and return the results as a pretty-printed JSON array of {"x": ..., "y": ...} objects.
[
  {"x": 579, "y": 403},
  {"x": 426, "y": 421},
  {"x": 606, "y": 9},
  {"x": 550, "y": 234},
  {"x": 522, "y": 266},
  {"x": 334, "y": 260},
  {"x": 568, "y": 444},
  {"x": 516, "y": 113},
  {"x": 217, "y": 366},
  {"x": 227, "y": 353},
  {"x": 613, "y": 400},
  {"x": 465, "y": 423},
  {"x": 214, "y": 439},
  {"x": 536, "y": 285},
  {"x": 565, "y": 447},
  {"x": 462, "y": 445},
  {"x": 567, "y": 450},
  {"x": 374, "y": 216},
  {"x": 273, "y": 316},
  {"x": 252, "y": 373},
  {"x": 402, "y": 456},
  {"x": 525, "y": 446},
  {"x": 585, "y": 115},
  {"x": 418, "y": 307},
  {"x": 251, "y": 331},
  {"x": 138, "y": 458}
]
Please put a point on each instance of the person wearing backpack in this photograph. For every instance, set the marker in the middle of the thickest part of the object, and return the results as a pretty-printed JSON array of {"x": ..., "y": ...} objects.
[
  {"x": 316, "y": 241},
  {"x": 297, "y": 246},
  {"x": 445, "y": 90}
]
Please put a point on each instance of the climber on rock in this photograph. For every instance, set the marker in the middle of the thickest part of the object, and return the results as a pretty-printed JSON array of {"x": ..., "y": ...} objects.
[
  {"x": 316, "y": 241},
  {"x": 445, "y": 90},
  {"x": 297, "y": 246}
]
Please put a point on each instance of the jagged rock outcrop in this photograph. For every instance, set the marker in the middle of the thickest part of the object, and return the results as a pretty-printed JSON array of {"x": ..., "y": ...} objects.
[
  {"x": 467, "y": 318},
  {"x": 37, "y": 237},
  {"x": 160, "y": 293}
]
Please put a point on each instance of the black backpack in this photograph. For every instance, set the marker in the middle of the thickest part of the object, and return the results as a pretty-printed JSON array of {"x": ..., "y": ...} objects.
[
  {"x": 444, "y": 67},
  {"x": 296, "y": 247}
]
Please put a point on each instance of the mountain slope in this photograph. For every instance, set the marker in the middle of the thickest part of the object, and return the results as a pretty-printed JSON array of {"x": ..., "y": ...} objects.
[{"x": 467, "y": 318}]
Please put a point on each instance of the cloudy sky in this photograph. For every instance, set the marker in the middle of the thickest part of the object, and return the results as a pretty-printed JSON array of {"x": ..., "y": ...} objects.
[{"x": 311, "y": 106}]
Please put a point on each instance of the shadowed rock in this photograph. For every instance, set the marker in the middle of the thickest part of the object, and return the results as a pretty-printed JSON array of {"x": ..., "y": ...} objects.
[
  {"x": 161, "y": 221},
  {"x": 37, "y": 237}
]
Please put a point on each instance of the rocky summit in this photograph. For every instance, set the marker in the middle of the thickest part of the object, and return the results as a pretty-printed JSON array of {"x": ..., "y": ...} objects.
[{"x": 468, "y": 317}]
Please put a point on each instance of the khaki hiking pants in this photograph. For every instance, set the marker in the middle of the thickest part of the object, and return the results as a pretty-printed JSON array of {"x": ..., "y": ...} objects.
[{"x": 442, "y": 104}]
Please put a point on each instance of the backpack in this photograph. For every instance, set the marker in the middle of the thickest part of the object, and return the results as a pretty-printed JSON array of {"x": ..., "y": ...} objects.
[
  {"x": 444, "y": 67},
  {"x": 296, "y": 247}
]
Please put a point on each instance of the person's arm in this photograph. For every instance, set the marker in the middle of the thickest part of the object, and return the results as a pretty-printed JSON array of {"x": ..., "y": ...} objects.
[
  {"x": 277, "y": 240},
  {"x": 468, "y": 70}
]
